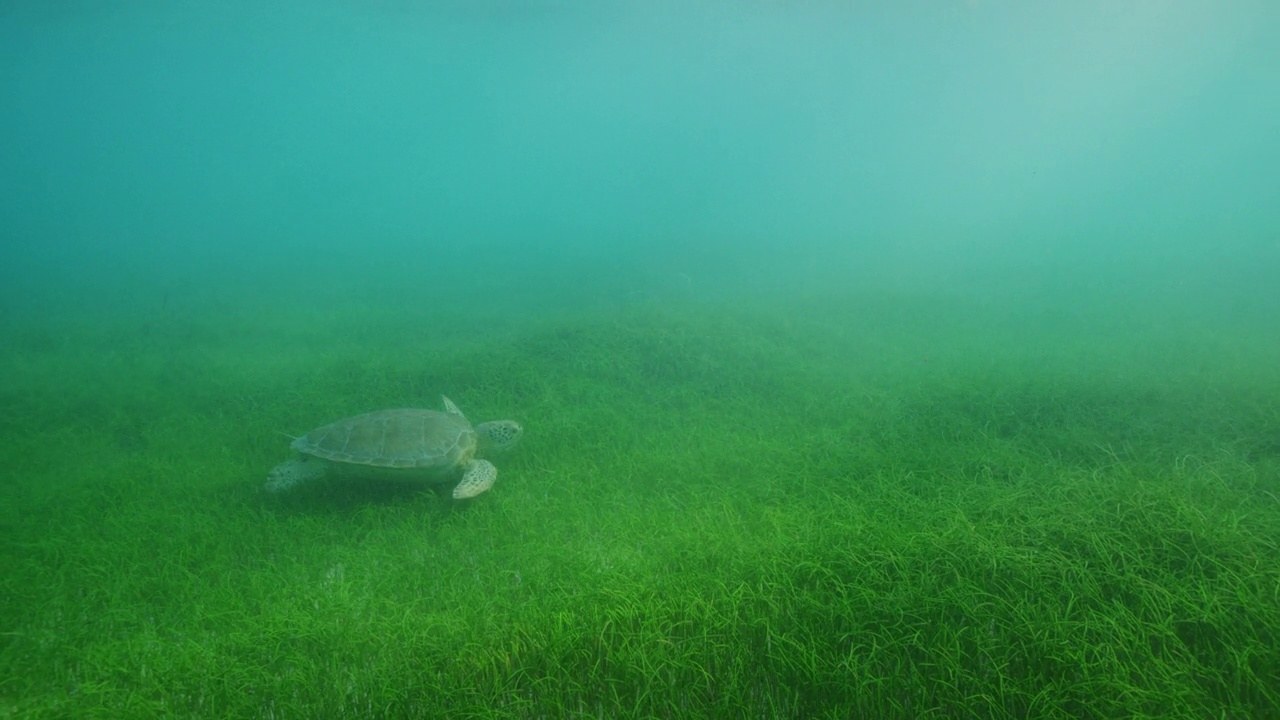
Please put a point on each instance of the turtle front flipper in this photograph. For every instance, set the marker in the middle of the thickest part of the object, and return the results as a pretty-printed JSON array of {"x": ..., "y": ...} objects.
[
  {"x": 479, "y": 477},
  {"x": 449, "y": 407}
]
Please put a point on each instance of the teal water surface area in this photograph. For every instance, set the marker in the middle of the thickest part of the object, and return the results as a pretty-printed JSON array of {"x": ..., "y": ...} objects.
[{"x": 912, "y": 360}]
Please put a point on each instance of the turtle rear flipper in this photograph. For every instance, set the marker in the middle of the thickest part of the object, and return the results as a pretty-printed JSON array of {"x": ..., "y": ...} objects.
[{"x": 478, "y": 478}]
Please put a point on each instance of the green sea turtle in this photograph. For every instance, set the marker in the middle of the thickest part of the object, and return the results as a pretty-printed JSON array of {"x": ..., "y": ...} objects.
[{"x": 406, "y": 444}]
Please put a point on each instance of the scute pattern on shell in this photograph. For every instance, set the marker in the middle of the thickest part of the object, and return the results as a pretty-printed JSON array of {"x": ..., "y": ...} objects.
[{"x": 402, "y": 438}]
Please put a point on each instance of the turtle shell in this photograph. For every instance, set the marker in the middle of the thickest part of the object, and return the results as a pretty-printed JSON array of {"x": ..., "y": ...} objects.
[{"x": 402, "y": 439}]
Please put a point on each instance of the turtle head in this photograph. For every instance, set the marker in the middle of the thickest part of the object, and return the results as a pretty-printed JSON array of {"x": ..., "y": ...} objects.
[
  {"x": 294, "y": 472},
  {"x": 499, "y": 435}
]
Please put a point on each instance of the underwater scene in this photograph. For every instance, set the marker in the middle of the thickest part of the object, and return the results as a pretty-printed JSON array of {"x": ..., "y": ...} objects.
[{"x": 559, "y": 359}]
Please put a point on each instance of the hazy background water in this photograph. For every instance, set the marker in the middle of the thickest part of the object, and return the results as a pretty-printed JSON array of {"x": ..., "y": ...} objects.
[{"x": 534, "y": 154}]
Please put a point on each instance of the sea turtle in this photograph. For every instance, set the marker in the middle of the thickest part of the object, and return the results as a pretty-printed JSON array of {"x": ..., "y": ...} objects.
[{"x": 407, "y": 444}]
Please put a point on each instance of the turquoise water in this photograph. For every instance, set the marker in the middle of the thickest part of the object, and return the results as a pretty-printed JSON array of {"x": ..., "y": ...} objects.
[{"x": 912, "y": 360}]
